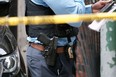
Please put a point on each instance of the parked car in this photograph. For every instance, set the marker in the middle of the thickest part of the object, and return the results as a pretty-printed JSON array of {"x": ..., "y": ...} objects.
[
  {"x": 11, "y": 60},
  {"x": 4, "y": 7}
]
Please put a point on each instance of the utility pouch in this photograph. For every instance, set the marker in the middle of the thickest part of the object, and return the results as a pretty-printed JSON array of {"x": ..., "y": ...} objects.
[
  {"x": 70, "y": 56},
  {"x": 64, "y": 30},
  {"x": 68, "y": 52}
]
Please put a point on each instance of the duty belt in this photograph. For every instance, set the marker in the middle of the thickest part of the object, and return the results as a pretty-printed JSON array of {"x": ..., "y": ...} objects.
[{"x": 42, "y": 48}]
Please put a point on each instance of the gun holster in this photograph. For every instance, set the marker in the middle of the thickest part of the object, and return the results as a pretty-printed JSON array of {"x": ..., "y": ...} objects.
[{"x": 50, "y": 48}]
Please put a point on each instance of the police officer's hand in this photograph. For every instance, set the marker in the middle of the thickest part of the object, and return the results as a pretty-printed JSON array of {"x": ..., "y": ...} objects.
[{"x": 98, "y": 5}]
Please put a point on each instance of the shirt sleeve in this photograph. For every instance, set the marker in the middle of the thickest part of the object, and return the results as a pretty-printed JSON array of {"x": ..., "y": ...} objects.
[
  {"x": 88, "y": 9},
  {"x": 67, "y": 7}
]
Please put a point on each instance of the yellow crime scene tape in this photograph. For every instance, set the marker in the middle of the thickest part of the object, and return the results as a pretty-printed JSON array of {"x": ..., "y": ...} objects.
[{"x": 56, "y": 19}]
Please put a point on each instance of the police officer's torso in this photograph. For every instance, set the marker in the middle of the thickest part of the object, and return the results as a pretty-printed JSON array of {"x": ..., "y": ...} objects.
[{"x": 61, "y": 30}]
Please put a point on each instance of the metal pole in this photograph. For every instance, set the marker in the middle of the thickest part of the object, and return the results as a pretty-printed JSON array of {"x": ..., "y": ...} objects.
[{"x": 108, "y": 49}]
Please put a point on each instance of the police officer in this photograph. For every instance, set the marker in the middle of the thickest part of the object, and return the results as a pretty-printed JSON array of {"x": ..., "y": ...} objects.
[{"x": 66, "y": 33}]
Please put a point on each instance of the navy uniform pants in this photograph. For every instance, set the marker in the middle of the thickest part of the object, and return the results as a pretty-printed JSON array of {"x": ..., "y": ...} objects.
[{"x": 38, "y": 67}]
